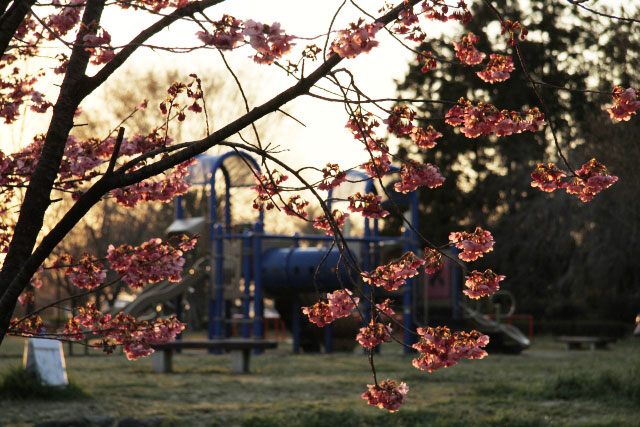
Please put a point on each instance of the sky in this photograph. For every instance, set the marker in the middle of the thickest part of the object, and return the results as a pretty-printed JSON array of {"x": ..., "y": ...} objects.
[{"x": 324, "y": 138}]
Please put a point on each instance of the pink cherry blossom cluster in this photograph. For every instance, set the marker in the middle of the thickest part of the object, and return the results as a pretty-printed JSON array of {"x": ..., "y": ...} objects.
[
  {"x": 27, "y": 298},
  {"x": 400, "y": 121},
  {"x": 547, "y": 177},
  {"x": 356, "y": 39},
  {"x": 135, "y": 336},
  {"x": 385, "y": 307},
  {"x": 156, "y": 189},
  {"x": 227, "y": 34},
  {"x": 388, "y": 395},
  {"x": 368, "y": 205},
  {"x": 296, "y": 206},
  {"x": 323, "y": 223},
  {"x": 473, "y": 245},
  {"x": 425, "y": 137},
  {"x": 87, "y": 273},
  {"x": 332, "y": 177},
  {"x": 626, "y": 102},
  {"x": 151, "y": 262},
  {"x": 439, "y": 11},
  {"x": 193, "y": 90},
  {"x": 374, "y": 334},
  {"x": 15, "y": 89},
  {"x": 481, "y": 284},
  {"x": 394, "y": 274},
  {"x": 485, "y": 119},
  {"x": 588, "y": 181},
  {"x": 269, "y": 41},
  {"x": 362, "y": 125},
  {"x": 267, "y": 187},
  {"x": 430, "y": 63},
  {"x": 466, "y": 51},
  {"x": 63, "y": 21},
  {"x": 433, "y": 261},
  {"x": 439, "y": 348},
  {"x": 406, "y": 24},
  {"x": 497, "y": 69},
  {"x": 510, "y": 27},
  {"x": 339, "y": 304},
  {"x": 99, "y": 44},
  {"x": 28, "y": 327},
  {"x": 414, "y": 175},
  {"x": 591, "y": 179}
]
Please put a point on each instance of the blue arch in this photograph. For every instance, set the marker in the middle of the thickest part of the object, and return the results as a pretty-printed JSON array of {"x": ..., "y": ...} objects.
[{"x": 204, "y": 172}]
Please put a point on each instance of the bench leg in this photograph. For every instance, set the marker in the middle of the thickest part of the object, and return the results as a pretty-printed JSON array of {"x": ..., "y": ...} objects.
[
  {"x": 240, "y": 361},
  {"x": 161, "y": 361}
]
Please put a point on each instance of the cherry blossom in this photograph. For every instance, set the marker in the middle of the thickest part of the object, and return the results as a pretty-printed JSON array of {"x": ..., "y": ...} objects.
[
  {"x": 414, "y": 175},
  {"x": 322, "y": 222},
  {"x": 473, "y": 245},
  {"x": 374, "y": 334},
  {"x": 332, "y": 177},
  {"x": 425, "y": 137},
  {"x": 227, "y": 34},
  {"x": 547, "y": 177},
  {"x": 439, "y": 11},
  {"x": 482, "y": 284},
  {"x": 485, "y": 119},
  {"x": 439, "y": 348},
  {"x": 269, "y": 41},
  {"x": 87, "y": 273},
  {"x": 155, "y": 189},
  {"x": 394, "y": 274},
  {"x": 339, "y": 304},
  {"x": 135, "y": 336},
  {"x": 466, "y": 51},
  {"x": 626, "y": 103},
  {"x": 388, "y": 395},
  {"x": 268, "y": 186},
  {"x": 385, "y": 307},
  {"x": 497, "y": 69},
  {"x": 430, "y": 63},
  {"x": 378, "y": 166},
  {"x": 368, "y": 205},
  {"x": 356, "y": 39},
  {"x": 400, "y": 120},
  {"x": 151, "y": 262},
  {"x": 362, "y": 125},
  {"x": 433, "y": 261},
  {"x": 295, "y": 206},
  {"x": 510, "y": 28},
  {"x": 591, "y": 179}
]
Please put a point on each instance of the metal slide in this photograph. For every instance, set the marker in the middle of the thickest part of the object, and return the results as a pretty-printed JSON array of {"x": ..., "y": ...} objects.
[{"x": 511, "y": 335}]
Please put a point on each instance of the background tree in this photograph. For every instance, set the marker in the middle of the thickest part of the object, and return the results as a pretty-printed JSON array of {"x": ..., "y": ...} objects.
[{"x": 488, "y": 179}]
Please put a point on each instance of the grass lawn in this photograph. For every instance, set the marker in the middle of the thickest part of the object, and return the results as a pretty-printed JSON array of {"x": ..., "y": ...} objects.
[{"x": 546, "y": 385}]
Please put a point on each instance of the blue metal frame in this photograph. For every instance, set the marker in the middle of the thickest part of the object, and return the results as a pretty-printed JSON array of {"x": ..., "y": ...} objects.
[{"x": 252, "y": 258}]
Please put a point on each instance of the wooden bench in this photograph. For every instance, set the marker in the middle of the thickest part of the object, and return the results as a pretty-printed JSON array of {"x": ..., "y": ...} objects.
[
  {"x": 240, "y": 349},
  {"x": 576, "y": 342}
]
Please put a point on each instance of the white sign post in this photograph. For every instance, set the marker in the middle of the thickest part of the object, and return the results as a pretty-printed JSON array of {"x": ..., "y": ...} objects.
[{"x": 45, "y": 359}]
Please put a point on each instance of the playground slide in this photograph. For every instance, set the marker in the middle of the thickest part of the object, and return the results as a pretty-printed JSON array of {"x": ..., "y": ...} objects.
[
  {"x": 160, "y": 292},
  {"x": 487, "y": 325}
]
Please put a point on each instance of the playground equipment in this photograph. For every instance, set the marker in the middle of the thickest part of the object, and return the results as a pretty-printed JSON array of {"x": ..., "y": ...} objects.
[{"x": 238, "y": 264}]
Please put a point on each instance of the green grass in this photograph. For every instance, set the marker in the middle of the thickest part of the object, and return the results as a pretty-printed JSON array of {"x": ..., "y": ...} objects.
[
  {"x": 545, "y": 386},
  {"x": 20, "y": 384}
]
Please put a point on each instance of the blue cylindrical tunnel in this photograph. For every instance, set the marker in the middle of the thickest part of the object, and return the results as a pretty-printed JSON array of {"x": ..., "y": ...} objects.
[{"x": 291, "y": 271}]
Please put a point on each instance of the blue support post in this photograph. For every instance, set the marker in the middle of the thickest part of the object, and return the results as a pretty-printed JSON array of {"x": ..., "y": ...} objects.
[
  {"x": 218, "y": 303},
  {"x": 328, "y": 339},
  {"x": 246, "y": 277},
  {"x": 178, "y": 211},
  {"x": 296, "y": 324},
  {"x": 258, "y": 303}
]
